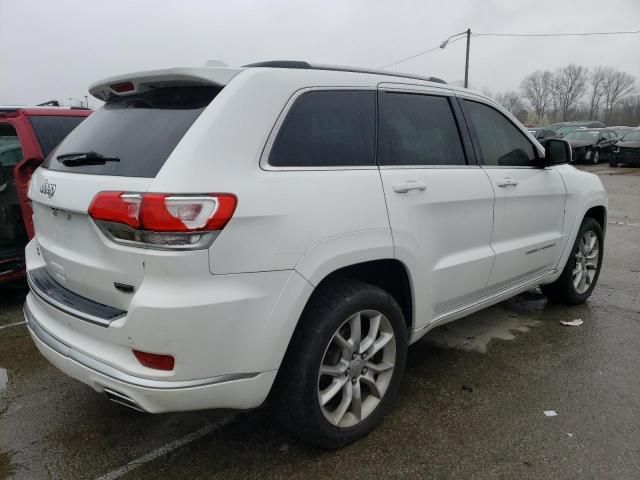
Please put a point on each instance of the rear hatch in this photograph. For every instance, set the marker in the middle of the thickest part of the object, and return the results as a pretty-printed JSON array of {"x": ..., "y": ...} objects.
[{"x": 121, "y": 147}]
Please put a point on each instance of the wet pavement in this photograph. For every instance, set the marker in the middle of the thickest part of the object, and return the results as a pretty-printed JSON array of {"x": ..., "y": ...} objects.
[{"x": 471, "y": 404}]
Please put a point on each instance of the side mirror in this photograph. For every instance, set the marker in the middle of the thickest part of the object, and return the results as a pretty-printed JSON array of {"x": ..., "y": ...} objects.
[{"x": 557, "y": 152}]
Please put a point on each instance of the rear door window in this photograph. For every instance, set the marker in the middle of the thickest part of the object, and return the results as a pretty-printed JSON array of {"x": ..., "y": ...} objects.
[
  {"x": 51, "y": 130},
  {"x": 139, "y": 130},
  {"x": 329, "y": 128},
  {"x": 417, "y": 129}
]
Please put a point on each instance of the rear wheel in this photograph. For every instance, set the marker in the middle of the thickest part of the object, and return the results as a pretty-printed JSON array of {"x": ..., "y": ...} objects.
[
  {"x": 596, "y": 157},
  {"x": 582, "y": 270},
  {"x": 344, "y": 365}
]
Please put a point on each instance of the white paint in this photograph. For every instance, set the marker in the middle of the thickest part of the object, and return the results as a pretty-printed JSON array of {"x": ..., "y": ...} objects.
[
  {"x": 572, "y": 323},
  {"x": 550, "y": 413},
  {"x": 169, "y": 447},
  {"x": 9, "y": 325},
  {"x": 475, "y": 332}
]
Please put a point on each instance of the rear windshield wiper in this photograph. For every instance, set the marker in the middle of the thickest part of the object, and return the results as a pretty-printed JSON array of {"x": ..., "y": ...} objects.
[{"x": 85, "y": 158}]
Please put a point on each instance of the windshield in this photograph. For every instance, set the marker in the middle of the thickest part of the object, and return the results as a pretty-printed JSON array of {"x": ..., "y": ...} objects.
[
  {"x": 139, "y": 130},
  {"x": 582, "y": 135},
  {"x": 631, "y": 136},
  {"x": 51, "y": 130}
]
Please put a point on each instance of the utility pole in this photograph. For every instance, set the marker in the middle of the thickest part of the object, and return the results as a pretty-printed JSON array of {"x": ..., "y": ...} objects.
[
  {"x": 467, "y": 32},
  {"x": 466, "y": 65}
]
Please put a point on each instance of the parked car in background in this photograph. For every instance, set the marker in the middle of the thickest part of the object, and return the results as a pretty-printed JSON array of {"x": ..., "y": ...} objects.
[
  {"x": 27, "y": 135},
  {"x": 566, "y": 127},
  {"x": 543, "y": 134},
  {"x": 590, "y": 145},
  {"x": 621, "y": 130},
  {"x": 214, "y": 235},
  {"x": 626, "y": 151}
]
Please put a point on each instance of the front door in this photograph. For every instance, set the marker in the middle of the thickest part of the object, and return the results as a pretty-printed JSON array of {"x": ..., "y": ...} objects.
[
  {"x": 440, "y": 206},
  {"x": 529, "y": 200}
]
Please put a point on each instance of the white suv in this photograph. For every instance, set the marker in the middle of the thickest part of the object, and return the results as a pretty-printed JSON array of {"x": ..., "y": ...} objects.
[{"x": 215, "y": 235}]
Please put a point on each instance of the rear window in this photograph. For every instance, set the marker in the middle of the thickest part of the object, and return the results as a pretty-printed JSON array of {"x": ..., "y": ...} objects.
[
  {"x": 140, "y": 130},
  {"x": 328, "y": 129},
  {"x": 52, "y": 130},
  {"x": 418, "y": 129}
]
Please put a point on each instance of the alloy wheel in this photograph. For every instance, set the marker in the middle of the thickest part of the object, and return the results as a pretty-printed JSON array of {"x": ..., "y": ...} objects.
[
  {"x": 587, "y": 258},
  {"x": 357, "y": 368}
]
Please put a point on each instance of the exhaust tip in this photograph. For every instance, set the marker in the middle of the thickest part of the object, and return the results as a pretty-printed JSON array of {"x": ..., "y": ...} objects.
[{"x": 122, "y": 399}]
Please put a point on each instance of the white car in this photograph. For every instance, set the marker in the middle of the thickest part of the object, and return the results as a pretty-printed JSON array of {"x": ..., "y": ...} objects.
[{"x": 214, "y": 235}]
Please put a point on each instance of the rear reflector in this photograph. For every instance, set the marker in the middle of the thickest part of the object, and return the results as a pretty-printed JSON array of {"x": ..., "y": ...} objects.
[{"x": 154, "y": 360}]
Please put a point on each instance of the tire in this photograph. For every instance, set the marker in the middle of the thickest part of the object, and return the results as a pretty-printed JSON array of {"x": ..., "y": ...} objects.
[
  {"x": 596, "y": 157},
  {"x": 300, "y": 386},
  {"x": 564, "y": 290}
]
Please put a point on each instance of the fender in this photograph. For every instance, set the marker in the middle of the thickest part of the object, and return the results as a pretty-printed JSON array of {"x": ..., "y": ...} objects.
[
  {"x": 584, "y": 191},
  {"x": 344, "y": 250}
]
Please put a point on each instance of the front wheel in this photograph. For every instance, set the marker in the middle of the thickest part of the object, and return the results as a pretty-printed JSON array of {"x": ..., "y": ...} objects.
[
  {"x": 582, "y": 269},
  {"x": 344, "y": 364},
  {"x": 596, "y": 157}
]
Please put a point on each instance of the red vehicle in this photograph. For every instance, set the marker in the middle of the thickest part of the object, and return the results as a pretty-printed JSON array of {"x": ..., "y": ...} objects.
[{"x": 27, "y": 135}]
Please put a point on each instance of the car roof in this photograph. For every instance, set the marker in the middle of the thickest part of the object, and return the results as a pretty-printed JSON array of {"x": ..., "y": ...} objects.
[
  {"x": 221, "y": 76},
  {"x": 12, "y": 111}
]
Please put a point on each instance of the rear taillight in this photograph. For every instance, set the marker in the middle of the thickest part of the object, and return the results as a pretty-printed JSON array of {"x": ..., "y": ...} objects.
[{"x": 159, "y": 220}]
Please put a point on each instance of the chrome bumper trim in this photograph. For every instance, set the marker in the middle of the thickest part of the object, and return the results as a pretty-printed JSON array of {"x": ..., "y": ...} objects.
[
  {"x": 107, "y": 370},
  {"x": 110, "y": 314}
]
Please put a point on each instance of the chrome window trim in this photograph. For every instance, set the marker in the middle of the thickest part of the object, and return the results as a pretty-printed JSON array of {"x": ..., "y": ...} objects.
[{"x": 99, "y": 367}]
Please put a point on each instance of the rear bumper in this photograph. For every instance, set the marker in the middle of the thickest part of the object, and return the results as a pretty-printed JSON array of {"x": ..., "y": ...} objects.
[{"x": 239, "y": 391}]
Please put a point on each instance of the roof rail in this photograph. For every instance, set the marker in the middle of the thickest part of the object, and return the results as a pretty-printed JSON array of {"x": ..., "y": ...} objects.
[{"x": 298, "y": 64}]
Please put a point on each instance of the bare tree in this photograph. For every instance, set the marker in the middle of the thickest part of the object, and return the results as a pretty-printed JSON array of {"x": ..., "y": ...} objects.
[
  {"x": 569, "y": 85},
  {"x": 537, "y": 89},
  {"x": 511, "y": 101},
  {"x": 617, "y": 85},
  {"x": 596, "y": 79}
]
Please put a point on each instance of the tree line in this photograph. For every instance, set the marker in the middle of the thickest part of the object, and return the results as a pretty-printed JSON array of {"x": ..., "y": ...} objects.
[{"x": 575, "y": 92}]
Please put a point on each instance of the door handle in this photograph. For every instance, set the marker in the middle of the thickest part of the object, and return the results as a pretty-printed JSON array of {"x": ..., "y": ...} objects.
[
  {"x": 408, "y": 186},
  {"x": 507, "y": 182}
]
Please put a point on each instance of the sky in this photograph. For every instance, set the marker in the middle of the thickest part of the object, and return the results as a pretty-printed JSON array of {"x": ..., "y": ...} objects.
[{"x": 53, "y": 49}]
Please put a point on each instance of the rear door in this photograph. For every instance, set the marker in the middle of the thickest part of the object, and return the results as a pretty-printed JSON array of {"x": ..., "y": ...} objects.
[
  {"x": 138, "y": 133},
  {"x": 529, "y": 201},
  {"x": 440, "y": 203}
]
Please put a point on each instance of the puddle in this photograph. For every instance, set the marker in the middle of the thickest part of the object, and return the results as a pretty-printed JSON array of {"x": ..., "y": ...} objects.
[{"x": 475, "y": 332}]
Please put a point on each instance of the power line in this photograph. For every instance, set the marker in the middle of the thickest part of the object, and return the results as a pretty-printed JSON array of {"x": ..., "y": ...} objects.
[
  {"x": 417, "y": 55},
  {"x": 584, "y": 34}
]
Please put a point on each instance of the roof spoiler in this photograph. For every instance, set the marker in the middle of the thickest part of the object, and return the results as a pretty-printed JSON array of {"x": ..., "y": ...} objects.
[{"x": 139, "y": 82}]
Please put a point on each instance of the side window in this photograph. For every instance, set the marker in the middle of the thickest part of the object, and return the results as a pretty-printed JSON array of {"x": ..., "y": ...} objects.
[
  {"x": 417, "y": 129},
  {"x": 10, "y": 150},
  {"x": 500, "y": 142},
  {"x": 327, "y": 128}
]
